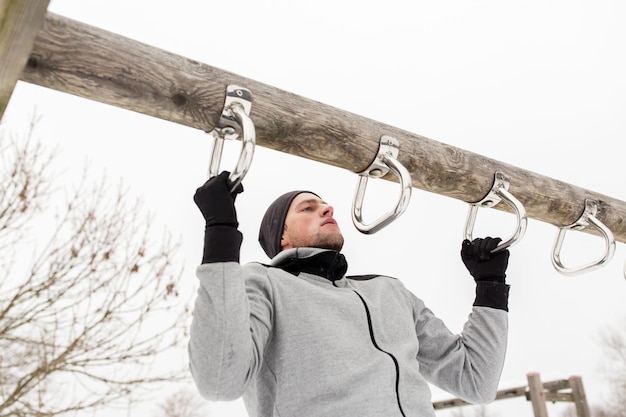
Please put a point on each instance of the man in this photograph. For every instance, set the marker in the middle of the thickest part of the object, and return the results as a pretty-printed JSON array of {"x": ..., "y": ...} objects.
[{"x": 299, "y": 338}]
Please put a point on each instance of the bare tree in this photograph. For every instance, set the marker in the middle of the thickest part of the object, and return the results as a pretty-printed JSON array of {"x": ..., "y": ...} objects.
[
  {"x": 88, "y": 300},
  {"x": 613, "y": 342},
  {"x": 473, "y": 411},
  {"x": 466, "y": 411},
  {"x": 569, "y": 411},
  {"x": 184, "y": 403}
]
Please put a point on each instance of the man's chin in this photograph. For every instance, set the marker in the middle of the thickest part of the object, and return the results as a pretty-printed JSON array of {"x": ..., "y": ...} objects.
[{"x": 334, "y": 245}]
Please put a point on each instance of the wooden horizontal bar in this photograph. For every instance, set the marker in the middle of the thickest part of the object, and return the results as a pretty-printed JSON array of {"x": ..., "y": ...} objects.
[
  {"x": 79, "y": 59},
  {"x": 554, "y": 397}
]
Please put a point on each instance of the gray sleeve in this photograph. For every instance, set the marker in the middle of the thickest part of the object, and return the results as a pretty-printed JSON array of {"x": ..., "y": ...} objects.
[
  {"x": 468, "y": 365},
  {"x": 230, "y": 327}
]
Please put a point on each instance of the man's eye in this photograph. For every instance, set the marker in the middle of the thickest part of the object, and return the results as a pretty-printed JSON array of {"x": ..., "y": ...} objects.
[{"x": 308, "y": 208}]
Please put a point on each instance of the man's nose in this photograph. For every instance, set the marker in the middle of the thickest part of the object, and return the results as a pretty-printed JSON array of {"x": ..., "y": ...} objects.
[{"x": 328, "y": 211}]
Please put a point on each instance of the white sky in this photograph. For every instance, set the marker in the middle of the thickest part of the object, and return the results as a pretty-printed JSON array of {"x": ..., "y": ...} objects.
[{"x": 535, "y": 84}]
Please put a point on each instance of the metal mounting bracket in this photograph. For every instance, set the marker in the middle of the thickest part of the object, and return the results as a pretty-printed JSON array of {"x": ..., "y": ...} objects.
[
  {"x": 499, "y": 192},
  {"x": 234, "y": 121},
  {"x": 588, "y": 218},
  {"x": 384, "y": 162}
]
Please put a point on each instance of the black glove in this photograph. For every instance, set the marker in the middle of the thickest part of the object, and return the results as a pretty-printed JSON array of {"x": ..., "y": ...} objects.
[
  {"x": 216, "y": 202},
  {"x": 481, "y": 263}
]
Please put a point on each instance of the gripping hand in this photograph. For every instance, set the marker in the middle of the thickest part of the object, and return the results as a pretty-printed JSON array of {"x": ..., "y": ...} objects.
[
  {"x": 216, "y": 202},
  {"x": 481, "y": 263}
]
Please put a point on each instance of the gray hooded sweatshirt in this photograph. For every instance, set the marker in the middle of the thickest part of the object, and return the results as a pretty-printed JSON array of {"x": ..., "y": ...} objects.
[{"x": 296, "y": 340}]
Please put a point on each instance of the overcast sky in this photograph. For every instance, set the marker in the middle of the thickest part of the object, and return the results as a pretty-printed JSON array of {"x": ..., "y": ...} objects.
[{"x": 538, "y": 85}]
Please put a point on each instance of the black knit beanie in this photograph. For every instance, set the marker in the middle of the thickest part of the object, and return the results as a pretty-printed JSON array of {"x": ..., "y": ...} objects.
[{"x": 273, "y": 223}]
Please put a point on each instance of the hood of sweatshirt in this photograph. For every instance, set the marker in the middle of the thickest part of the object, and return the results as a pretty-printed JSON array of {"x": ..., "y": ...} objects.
[{"x": 325, "y": 263}]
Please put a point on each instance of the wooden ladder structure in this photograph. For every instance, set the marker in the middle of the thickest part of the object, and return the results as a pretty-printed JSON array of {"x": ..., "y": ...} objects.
[
  {"x": 538, "y": 393},
  {"x": 62, "y": 54}
]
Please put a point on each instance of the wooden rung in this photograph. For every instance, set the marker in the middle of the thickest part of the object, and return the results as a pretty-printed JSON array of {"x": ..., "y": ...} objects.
[
  {"x": 554, "y": 397},
  {"x": 538, "y": 393},
  {"x": 511, "y": 392},
  {"x": 456, "y": 402},
  {"x": 556, "y": 385}
]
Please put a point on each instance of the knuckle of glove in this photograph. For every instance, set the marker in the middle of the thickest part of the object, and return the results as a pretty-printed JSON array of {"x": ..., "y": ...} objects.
[
  {"x": 494, "y": 267},
  {"x": 481, "y": 262}
]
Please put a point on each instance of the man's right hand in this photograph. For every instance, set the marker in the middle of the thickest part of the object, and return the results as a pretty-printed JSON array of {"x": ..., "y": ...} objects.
[
  {"x": 216, "y": 202},
  {"x": 482, "y": 263}
]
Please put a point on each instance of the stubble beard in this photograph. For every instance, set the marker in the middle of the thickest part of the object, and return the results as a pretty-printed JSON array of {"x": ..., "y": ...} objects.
[
  {"x": 331, "y": 242},
  {"x": 323, "y": 241}
]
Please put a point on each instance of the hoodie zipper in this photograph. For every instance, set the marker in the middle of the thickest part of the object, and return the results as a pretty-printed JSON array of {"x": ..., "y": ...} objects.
[{"x": 395, "y": 361}]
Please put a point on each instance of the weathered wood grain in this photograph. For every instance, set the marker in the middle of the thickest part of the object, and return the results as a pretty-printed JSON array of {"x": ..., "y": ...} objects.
[
  {"x": 79, "y": 59},
  {"x": 20, "y": 22}
]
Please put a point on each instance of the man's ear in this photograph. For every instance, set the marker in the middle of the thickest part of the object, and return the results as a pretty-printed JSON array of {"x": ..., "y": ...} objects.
[{"x": 284, "y": 243}]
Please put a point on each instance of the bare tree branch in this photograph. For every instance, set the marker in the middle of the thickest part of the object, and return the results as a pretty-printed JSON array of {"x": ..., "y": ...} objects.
[
  {"x": 94, "y": 306},
  {"x": 613, "y": 342},
  {"x": 184, "y": 403}
]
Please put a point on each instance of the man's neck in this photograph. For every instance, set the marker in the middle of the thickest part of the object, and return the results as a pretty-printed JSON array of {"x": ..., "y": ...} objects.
[{"x": 325, "y": 263}]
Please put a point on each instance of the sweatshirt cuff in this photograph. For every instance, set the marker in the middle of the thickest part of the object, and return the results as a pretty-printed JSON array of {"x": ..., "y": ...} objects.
[
  {"x": 492, "y": 294},
  {"x": 221, "y": 244}
]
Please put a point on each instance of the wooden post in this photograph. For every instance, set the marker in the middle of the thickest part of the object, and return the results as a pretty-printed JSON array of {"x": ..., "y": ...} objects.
[
  {"x": 89, "y": 62},
  {"x": 20, "y": 22},
  {"x": 579, "y": 397},
  {"x": 537, "y": 397},
  {"x": 538, "y": 394}
]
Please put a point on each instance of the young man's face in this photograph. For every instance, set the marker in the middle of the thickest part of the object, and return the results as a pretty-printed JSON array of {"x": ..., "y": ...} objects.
[{"x": 309, "y": 223}]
